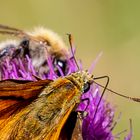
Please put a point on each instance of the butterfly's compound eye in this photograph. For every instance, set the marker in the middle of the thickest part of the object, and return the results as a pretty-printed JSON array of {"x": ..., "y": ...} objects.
[{"x": 86, "y": 87}]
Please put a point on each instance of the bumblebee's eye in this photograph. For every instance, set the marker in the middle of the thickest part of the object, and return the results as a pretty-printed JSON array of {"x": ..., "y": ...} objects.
[
  {"x": 86, "y": 87},
  {"x": 61, "y": 64}
]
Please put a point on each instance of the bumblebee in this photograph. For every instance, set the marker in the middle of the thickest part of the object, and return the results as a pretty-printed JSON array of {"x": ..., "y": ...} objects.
[{"x": 38, "y": 45}]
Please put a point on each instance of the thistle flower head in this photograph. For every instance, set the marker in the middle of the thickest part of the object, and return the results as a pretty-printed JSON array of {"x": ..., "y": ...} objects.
[{"x": 96, "y": 126}]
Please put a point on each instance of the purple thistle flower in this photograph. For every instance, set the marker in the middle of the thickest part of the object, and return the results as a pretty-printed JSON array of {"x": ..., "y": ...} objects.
[{"x": 98, "y": 128}]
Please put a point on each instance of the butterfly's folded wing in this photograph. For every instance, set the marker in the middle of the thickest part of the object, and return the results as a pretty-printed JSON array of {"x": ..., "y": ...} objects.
[
  {"x": 55, "y": 134},
  {"x": 16, "y": 94}
]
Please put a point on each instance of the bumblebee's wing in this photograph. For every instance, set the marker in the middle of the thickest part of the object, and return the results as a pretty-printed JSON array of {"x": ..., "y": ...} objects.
[
  {"x": 18, "y": 33},
  {"x": 12, "y": 31},
  {"x": 16, "y": 94}
]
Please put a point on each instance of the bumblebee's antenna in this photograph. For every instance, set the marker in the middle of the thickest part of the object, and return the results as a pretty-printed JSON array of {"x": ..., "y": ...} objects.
[{"x": 72, "y": 46}]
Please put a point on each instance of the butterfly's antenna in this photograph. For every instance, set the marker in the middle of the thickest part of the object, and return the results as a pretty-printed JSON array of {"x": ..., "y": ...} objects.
[
  {"x": 127, "y": 97},
  {"x": 72, "y": 47},
  {"x": 105, "y": 87}
]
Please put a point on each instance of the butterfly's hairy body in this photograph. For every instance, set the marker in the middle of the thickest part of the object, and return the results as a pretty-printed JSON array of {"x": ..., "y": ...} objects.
[{"x": 42, "y": 116}]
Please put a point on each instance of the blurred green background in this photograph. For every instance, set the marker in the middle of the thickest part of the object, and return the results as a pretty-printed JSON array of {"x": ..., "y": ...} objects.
[{"x": 110, "y": 26}]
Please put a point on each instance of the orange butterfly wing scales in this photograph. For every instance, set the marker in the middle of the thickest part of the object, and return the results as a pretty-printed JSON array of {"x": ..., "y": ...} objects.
[
  {"x": 45, "y": 116},
  {"x": 14, "y": 92},
  {"x": 21, "y": 89},
  {"x": 55, "y": 133}
]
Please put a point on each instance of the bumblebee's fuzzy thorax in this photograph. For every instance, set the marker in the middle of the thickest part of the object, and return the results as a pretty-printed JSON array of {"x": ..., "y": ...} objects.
[{"x": 40, "y": 45}]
